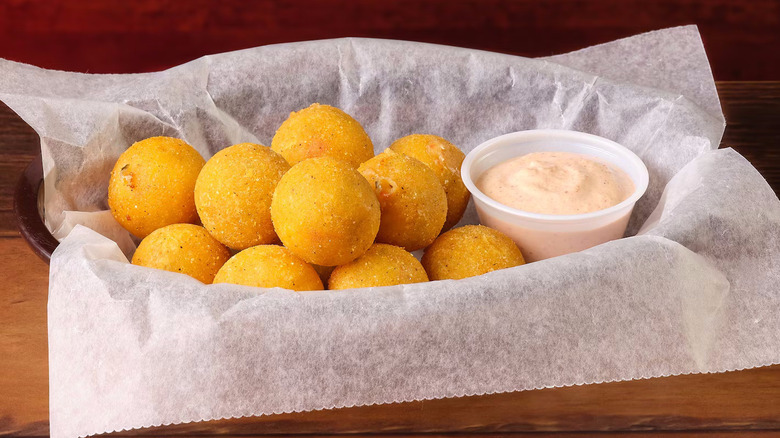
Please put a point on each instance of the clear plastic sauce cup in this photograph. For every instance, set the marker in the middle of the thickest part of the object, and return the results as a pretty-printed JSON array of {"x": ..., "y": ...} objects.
[{"x": 541, "y": 236}]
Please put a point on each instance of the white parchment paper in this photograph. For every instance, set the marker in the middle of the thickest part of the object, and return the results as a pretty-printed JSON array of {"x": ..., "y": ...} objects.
[{"x": 696, "y": 290}]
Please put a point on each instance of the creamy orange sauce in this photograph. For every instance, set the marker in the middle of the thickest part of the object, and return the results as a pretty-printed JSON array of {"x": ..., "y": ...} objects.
[{"x": 556, "y": 183}]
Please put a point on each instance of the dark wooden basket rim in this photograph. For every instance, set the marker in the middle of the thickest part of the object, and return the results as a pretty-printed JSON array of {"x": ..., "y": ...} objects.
[{"x": 28, "y": 215}]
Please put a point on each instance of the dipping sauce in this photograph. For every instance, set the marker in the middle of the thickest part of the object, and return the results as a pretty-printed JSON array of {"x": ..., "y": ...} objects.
[
  {"x": 556, "y": 183},
  {"x": 550, "y": 202}
]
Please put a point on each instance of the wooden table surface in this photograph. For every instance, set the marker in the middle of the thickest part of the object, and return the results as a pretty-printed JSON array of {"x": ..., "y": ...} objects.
[{"x": 743, "y": 401}]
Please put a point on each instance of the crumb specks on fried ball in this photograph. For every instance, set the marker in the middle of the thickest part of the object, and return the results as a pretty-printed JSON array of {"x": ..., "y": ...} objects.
[
  {"x": 233, "y": 194},
  {"x": 322, "y": 130},
  {"x": 469, "y": 251},
  {"x": 184, "y": 248},
  {"x": 269, "y": 266},
  {"x": 413, "y": 202},
  {"x": 325, "y": 212},
  {"x": 381, "y": 265},
  {"x": 445, "y": 160},
  {"x": 152, "y": 185}
]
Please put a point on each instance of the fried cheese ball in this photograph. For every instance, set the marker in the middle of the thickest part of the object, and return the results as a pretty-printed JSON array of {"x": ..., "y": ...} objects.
[
  {"x": 233, "y": 194},
  {"x": 152, "y": 185},
  {"x": 413, "y": 202},
  {"x": 269, "y": 266},
  {"x": 468, "y": 251},
  {"x": 381, "y": 265},
  {"x": 325, "y": 212},
  {"x": 184, "y": 248},
  {"x": 322, "y": 130},
  {"x": 445, "y": 160}
]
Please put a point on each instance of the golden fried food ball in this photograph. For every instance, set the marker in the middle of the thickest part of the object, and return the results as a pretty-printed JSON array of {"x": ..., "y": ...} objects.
[
  {"x": 322, "y": 130},
  {"x": 152, "y": 185},
  {"x": 445, "y": 159},
  {"x": 413, "y": 202},
  {"x": 325, "y": 212},
  {"x": 381, "y": 265},
  {"x": 233, "y": 194},
  {"x": 269, "y": 266},
  {"x": 185, "y": 248},
  {"x": 468, "y": 251}
]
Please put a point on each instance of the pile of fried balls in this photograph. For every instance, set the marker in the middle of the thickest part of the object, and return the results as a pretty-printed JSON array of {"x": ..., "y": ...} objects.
[{"x": 315, "y": 209}]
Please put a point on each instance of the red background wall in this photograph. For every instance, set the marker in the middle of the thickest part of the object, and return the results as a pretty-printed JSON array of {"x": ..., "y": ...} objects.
[{"x": 742, "y": 37}]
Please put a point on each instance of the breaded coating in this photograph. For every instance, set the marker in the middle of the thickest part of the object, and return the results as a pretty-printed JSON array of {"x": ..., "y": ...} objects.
[
  {"x": 381, "y": 265},
  {"x": 233, "y": 194},
  {"x": 184, "y": 248},
  {"x": 152, "y": 185},
  {"x": 468, "y": 251},
  {"x": 413, "y": 202},
  {"x": 322, "y": 130},
  {"x": 445, "y": 160},
  {"x": 269, "y": 266},
  {"x": 325, "y": 212}
]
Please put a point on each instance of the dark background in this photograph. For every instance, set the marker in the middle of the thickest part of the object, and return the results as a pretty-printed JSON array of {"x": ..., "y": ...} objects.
[{"x": 742, "y": 37}]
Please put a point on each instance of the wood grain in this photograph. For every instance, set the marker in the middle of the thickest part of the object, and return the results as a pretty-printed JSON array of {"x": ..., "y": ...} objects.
[
  {"x": 24, "y": 372},
  {"x": 741, "y": 37},
  {"x": 645, "y": 434},
  {"x": 752, "y": 111},
  {"x": 18, "y": 146},
  {"x": 744, "y": 400},
  {"x": 682, "y": 402}
]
